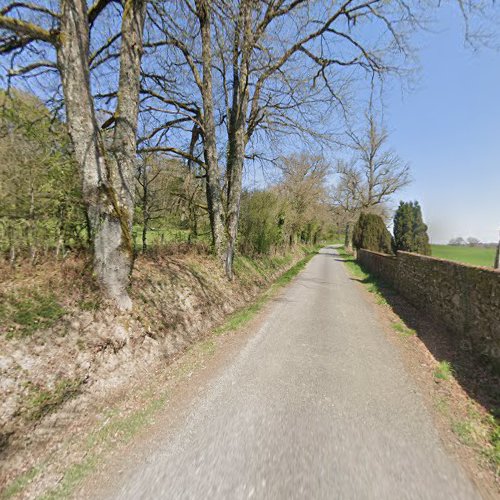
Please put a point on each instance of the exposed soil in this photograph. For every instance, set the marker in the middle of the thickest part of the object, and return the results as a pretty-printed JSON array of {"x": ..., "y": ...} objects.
[{"x": 75, "y": 373}]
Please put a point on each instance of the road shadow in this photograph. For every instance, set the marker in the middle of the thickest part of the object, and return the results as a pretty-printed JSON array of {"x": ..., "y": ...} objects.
[{"x": 473, "y": 372}]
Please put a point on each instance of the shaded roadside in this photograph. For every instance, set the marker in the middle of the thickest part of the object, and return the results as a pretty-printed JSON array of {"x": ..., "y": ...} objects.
[{"x": 473, "y": 418}]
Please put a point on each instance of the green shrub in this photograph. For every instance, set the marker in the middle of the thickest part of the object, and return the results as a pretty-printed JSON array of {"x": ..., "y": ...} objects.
[
  {"x": 371, "y": 233},
  {"x": 261, "y": 223}
]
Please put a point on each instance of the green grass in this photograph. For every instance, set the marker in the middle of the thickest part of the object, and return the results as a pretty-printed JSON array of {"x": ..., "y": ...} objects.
[
  {"x": 43, "y": 401},
  {"x": 443, "y": 371},
  {"x": 25, "y": 315},
  {"x": 20, "y": 483},
  {"x": 243, "y": 316},
  {"x": 401, "y": 328},
  {"x": 464, "y": 430},
  {"x": 372, "y": 283},
  {"x": 481, "y": 432},
  {"x": 494, "y": 438},
  {"x": 475, "y": 256}
]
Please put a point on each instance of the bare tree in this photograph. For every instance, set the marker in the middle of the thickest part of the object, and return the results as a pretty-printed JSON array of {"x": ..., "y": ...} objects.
[
  {"x": 181, "y": 102},
  {"x": 371, "y": 178},
  {"x": 346, "y": 199},
  {"x": 230, "y": 77},
  {"x": 473, "y": 242},
  {"x": 459, "y": 241},
  {"x": 303, "y": 185},
  {"x": 106, "y": 166},
  {"x": 381, "y": 170}
]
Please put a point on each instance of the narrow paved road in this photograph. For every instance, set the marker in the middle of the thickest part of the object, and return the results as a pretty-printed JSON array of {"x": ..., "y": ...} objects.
[{"x": 316, "y": 405}]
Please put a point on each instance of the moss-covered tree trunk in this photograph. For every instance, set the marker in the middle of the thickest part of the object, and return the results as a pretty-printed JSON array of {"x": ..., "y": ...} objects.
[
  {"x": 107, "y": 175},
  {"x": 213, "y": 189},
  {"x": 497, "y": 256},
  {"x": 237, "y": 130}
]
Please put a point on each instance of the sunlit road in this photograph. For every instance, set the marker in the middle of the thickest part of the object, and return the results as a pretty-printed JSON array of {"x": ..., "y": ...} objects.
[{"x": 316, "y": 405}]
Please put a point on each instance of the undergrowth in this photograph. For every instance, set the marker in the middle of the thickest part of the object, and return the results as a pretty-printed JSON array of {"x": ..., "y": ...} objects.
[
  {"x": 119, "y": 428},
  {"x": 28, "y": 311}
]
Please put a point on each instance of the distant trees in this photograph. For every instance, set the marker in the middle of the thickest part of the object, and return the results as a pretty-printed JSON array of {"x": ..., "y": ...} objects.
[
  {"x": 371, "y": 178},
  {"x": 473, "y": 242},
  {"x": 262, "y": 226},
  {"x": 459, "y": 241},
  {"x": 371, "y": 233},
  {"x": 40, "y": 198},
  {"x": 470, "y": 241},
  {"x": 296, "y": 209},
  {"x": 410, "y": 232},
  {"x": 303, "y": 184},
  {"x": 168, "y": 196}
]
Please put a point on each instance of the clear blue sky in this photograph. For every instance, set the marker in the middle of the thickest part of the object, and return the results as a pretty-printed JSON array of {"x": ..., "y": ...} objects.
[{"x": 448, "y": 128}]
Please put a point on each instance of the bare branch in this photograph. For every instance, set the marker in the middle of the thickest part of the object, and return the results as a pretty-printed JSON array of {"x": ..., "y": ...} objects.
[
  {"x": 31, "y": 30},
  {"x": 33, "y": 66},
  {"x": 28, "y": 6}
]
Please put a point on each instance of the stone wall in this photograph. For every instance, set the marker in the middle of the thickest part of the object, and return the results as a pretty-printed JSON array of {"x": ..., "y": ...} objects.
[{"x": 465, "y": 298}]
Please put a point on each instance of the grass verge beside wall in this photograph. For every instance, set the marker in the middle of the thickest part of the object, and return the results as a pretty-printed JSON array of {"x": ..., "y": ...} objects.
[
  {"x": 465, "y": 298},
  {"x": 474, "y": 417}
]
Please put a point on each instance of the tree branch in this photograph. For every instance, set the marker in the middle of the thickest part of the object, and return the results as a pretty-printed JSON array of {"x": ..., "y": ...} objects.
[{"x": 31, "y": 30}]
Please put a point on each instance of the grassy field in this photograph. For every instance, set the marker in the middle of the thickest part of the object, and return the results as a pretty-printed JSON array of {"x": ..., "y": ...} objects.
[{"x": 476, "y": 256}]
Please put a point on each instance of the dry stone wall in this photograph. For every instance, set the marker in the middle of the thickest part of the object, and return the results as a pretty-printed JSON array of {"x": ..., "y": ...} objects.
[{"x": 465, "y": 298}]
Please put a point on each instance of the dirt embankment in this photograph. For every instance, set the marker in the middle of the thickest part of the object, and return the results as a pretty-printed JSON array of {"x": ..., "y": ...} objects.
[{"x": 62, "y": 350}]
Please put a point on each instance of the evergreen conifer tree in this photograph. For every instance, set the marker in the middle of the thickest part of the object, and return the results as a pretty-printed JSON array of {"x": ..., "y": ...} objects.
[
  {"x": 370, "y": 233},
  {"x": 410, "y": 232}
]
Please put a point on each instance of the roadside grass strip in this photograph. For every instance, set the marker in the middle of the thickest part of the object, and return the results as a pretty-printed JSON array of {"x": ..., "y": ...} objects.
[
  {"x": 118, "y": 428},
  {"x": 477, "y": 430}
]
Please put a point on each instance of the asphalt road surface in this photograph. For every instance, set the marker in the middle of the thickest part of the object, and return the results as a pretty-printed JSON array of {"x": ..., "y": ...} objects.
[{"x": 316, "y": 405}]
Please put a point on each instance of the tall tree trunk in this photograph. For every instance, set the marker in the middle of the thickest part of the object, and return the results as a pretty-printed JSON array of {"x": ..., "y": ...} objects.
[
  {"x": 237, "y": 130},
  {"x": 145, "y": 207},
  {"x": 107, "y": 179},
  {"x": 213, "y": 189},
  {"x": 235, "y": 181},
  {"x": 497, "y": 257},
  {"x": 122, "y": 157},
  {"x": 348, "y": 237}
]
